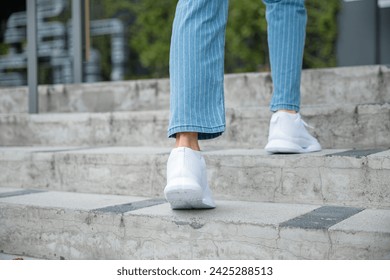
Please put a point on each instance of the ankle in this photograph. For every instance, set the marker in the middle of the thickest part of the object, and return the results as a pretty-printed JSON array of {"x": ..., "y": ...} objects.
[
  {"x": 187, "y": 139},
  {"x": 287, "y": 111}
]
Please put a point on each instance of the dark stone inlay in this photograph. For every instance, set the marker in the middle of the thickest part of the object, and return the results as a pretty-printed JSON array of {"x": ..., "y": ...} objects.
[
  {"x": 123, "y": 208},
  {"x": 17, "y": 193},
  {"x": 322, "y": 218},
  {"x": 357, "y": 153}
]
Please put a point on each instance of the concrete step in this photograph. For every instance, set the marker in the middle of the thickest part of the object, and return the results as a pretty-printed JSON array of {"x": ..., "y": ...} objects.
[
  {"x": 60, "y": 225},
  {"x": 366, "y": 84},
  {"x": 347, "y": 126},
  {"x": 15, "y": 257},
  {"x": 358, "y": 178}
]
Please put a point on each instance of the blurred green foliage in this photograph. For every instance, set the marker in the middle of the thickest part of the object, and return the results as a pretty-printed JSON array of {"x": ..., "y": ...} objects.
[
  {"x": 246, "y": 37},
  {"x": 149, "y": 25},
  {"x": 3, "y": 48},
  {"x": 321, "y": 33}
]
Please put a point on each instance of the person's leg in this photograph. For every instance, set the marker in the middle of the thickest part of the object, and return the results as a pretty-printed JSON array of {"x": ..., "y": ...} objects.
[
  {"x": 197, "y": 68},
  {"x": 187, "y": 139},
  {"x": 197, "y": 101},
  {"x": 286, "y": 39}
]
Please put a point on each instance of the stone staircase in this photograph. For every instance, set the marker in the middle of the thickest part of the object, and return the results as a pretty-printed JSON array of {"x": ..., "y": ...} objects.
[{"x": 84, "y": 179}]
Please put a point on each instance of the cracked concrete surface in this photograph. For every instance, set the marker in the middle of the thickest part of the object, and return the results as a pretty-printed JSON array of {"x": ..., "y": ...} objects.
[
  {"x": 235, "y": 230},
  {"x": 245, "y": 174}
]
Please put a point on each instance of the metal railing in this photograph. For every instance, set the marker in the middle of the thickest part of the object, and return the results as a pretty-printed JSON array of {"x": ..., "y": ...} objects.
[
  {"x": 69, "y": 62},
  {"x": 32, "y": 68}
]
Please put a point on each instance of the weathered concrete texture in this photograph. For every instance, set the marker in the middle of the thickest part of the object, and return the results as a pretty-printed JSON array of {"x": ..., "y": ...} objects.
[
  {"x": 95, "y": 97},
  {"x": 363, "y": 126},
  {"x": 106, "y": 170},
  {"x": 79, "y": 129},
  {"x": 352, "y": 236},
  {"x": 340, "y": 85},
  {"x": 68, "y": 200},
  {"x": 4, "y": 191},
  {"x": 305, "y": 178},
  {"x": 233, "y": 174},
  {"x": 234, "y": 230},
  {"x": 19, "y": 192},
  {"x": 346, "y": 85},
  {"x": 13, "y": 257},
  {"x": 319, "y": 86},
  {"x": 384, "y": 78},
  {"x": 13, "y": 100}
]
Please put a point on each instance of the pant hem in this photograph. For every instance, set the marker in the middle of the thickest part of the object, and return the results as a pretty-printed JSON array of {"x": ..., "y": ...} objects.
[
  {"x": 204, "y": 133},
  {"x": 275, "y": 108}
]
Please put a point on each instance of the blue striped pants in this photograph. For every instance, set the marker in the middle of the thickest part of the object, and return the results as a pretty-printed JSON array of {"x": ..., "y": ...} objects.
[{"x": 197, "y": 62}]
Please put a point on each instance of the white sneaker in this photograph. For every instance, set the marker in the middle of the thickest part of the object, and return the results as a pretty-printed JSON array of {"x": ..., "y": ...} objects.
[
  {"x": 187, "y": 186},
  {"x": 288, "y": 134}
]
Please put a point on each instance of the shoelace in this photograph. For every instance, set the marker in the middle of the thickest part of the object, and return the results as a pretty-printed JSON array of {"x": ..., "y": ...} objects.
[{"x": 304, "y": 123}]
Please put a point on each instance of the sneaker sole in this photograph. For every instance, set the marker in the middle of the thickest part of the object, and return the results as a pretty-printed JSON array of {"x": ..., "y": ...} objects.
[
  {"x": 285, "y": 147},
  {"x": 182, "y": 193}
]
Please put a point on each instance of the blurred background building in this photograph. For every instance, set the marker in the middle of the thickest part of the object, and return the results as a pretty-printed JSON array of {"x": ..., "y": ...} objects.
[{"x": 363, "y": 32}]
